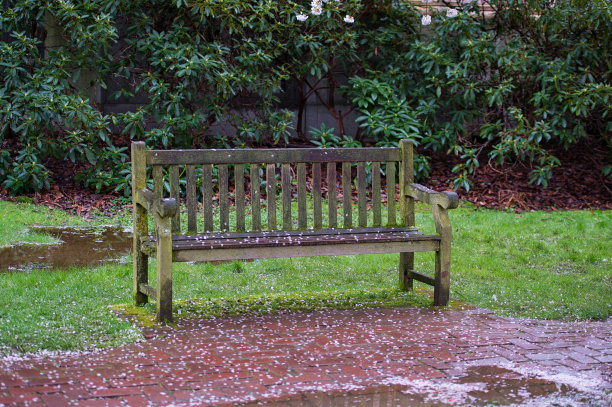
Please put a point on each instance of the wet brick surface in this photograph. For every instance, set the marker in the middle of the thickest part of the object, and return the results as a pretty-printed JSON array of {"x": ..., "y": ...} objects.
[{"x": 426, "y": 356}]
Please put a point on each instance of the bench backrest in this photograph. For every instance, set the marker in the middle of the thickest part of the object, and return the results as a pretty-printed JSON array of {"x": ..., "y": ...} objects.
[{"x": 301, "y": 171}]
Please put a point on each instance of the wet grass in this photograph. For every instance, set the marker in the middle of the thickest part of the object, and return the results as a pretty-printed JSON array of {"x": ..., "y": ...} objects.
[
  {"x": 266, "y": 303},
  {"x": 18, "y": 222},
  {"x": 555, "y": 265}
]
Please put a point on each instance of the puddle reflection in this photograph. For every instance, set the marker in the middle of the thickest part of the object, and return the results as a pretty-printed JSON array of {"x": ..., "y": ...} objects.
[
  {"x": 481, "y": 386},
  {"x": 78, "y": 247}
]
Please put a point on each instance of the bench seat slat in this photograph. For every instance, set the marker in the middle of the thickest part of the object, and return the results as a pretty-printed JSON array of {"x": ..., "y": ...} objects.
[
  {"x": 292, "y": 241},
  {"x": 271, "y": 156},
  {"x": 309, "y": 232}
]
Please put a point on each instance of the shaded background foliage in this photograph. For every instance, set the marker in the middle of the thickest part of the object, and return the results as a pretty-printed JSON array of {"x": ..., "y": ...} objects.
[{"x": 531, "y": 76}]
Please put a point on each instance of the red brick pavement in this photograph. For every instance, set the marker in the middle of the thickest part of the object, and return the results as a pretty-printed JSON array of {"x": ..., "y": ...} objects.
[{"x": 433, "y": 357}]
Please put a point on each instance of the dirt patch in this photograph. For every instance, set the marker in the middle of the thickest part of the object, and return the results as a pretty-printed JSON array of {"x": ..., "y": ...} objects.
[{"x": 577, "y": 184}]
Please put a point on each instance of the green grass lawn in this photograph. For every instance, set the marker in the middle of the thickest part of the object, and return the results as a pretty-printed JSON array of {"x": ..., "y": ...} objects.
[{"x": 555, "y": 265}]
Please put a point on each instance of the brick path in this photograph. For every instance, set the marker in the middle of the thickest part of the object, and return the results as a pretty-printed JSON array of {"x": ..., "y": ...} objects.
[{"x": 404, "y": 356}]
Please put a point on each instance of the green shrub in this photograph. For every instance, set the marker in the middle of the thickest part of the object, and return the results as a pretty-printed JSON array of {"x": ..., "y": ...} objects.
[
  {"x": 533, "y": 76},
  {"x": 512, "y": 86}
]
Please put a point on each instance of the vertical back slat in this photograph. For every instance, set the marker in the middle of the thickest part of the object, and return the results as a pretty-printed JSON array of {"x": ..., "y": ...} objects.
[
  {"x": 301, "y": 189},
  {"x": 271, "y": 196},
  {"x": 255, "y": 204},
  {"x": 175, "y": 193},
  {"x": 191, "y": 199},
  {"x": 286, "y": 192},
  {"x": 391, "y": 193},
  {"x": 207, "y": 192},
  {"x": 376, "y": 194},
  {"x": 316, "y": 196},
  {"x": 406, "y": 178},
  {"x": 346, "y": 195},
  {"x": 239, "y": 192},
  {"x": 331, "y": 194},
  {"x": 361, "y": 193},
  {"x": 223, "y": 198},
  {"x": 158, "y": 181}
]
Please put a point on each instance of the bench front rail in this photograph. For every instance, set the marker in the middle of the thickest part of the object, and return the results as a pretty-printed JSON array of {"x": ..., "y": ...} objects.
[{"x": 311, "y": 177}]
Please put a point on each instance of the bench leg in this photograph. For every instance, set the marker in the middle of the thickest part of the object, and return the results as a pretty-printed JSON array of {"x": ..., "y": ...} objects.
[
  {"x": 164, "y": 270},
  {"x": 140, "y": 260},
  {"x": 442, "y": 276},
  {"x": 406, "y": 265}
]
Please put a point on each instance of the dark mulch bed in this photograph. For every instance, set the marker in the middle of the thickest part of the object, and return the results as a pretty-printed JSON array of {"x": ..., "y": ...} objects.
[{"x": 577, "y": 184}]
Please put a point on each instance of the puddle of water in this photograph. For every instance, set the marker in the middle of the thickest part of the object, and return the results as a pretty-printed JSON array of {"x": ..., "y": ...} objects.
[
  {"x": 482, "y": 386},
  {"x": 78, "y": 247}
]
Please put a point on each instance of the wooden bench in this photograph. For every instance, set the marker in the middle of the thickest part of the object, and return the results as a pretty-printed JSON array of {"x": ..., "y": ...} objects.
[{"x": 209, "y": 239}]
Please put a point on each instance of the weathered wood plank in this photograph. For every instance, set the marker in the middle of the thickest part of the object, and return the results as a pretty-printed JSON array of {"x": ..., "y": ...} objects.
[
  {"x": 447, "y": 200},
  {"x": 147, "y": 290},
  {"x": 271, "y": 195},
  {"x": 164, "y": 269},
  {"x": 361, "y": 194},
  {"x": 207, "y": 195},
  {"x": 406, "y": 178},
  {"x": 406, "y": 263},
  {"x": 301, "y": 190},
  {"x": 443, "y": 256},
  {"x": 223, "y": 197},
  {"x": 376, "y": 200},
  {"x": 347, "y": 210},
  {"x": 390, "y": 178},
  {"x": 140, "y": 270},
  {"x": 286, "y": 195},
  {"x": 422, "y": 278},
  {"x": 192, "y": 204},
  {"x": 158, "y": 182},
  {"x": 405, "y": 268},
  {"x": 255, "y": 195},
  {"x": 278, "y": 233},
  {"x": 299, "y": 240},
  {"x": 239, "y": 196},
  {"x": 175, "y": 193},
  {"x": 331, "y": 195},
  {"x": 316, "y": 196},
  {"x": 271, "y": 156},
  {"x": 301, "y": 251}
]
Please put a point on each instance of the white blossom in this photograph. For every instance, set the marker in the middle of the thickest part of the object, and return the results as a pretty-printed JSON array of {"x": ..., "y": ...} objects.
[
  {"x": 451, "y": 13},
  {"x": 316, "y": 11},
  {"x": 349, "y": 19},
  {"x": 301, "y": 17},
  {"x": 426, "y": 19}
]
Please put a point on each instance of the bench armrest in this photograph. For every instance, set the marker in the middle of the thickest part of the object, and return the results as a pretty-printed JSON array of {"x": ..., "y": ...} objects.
[
  {"x": 446, "y": 200},
  {"x": 164, "y": 207}
]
